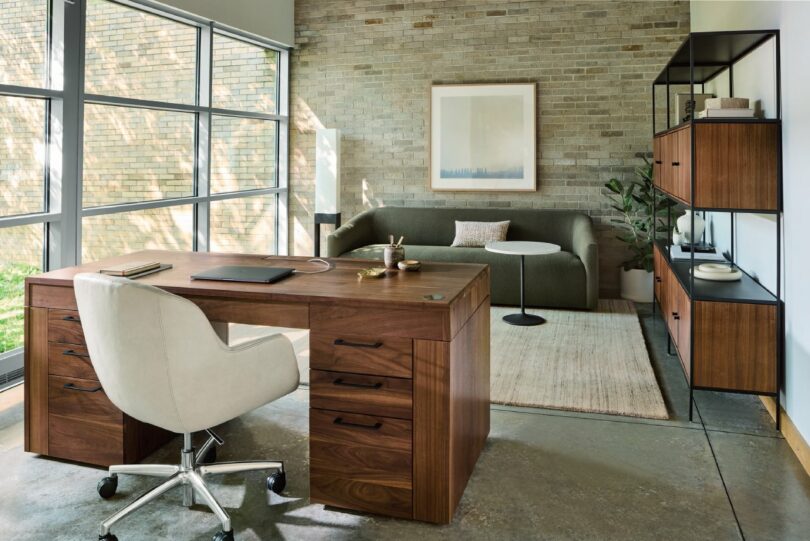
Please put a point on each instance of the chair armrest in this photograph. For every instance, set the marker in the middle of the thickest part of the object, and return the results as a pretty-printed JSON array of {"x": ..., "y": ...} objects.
[
  {"x": 585, "y": 247},
  {"x": 353, "y": 234}
]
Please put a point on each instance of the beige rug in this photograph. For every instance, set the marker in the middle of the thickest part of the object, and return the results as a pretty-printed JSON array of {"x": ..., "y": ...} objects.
[
  {"x": 580, "y": 361},
  {"x": 593, "y": 362}
]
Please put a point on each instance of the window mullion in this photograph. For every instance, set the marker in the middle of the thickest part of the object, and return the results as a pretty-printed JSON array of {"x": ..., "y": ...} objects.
[{"x": 202, "y": 173}]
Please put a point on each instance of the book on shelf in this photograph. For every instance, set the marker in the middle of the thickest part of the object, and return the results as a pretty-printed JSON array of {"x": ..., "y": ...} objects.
[
  {"x": 131, "y": 268},
  {"x": 726, "y": 113},
  {"x": 678, "y": 253}
]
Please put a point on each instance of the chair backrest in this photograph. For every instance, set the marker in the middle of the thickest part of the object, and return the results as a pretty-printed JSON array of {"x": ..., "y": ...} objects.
[{"x": 144, "y": 344}]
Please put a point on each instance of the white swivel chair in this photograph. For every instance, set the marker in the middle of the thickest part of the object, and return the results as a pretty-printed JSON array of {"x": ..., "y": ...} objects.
[{"x": 160, "y": 361}]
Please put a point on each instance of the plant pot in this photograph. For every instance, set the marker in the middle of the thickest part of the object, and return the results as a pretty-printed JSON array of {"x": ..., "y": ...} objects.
[{"x": 637, "y": 285}]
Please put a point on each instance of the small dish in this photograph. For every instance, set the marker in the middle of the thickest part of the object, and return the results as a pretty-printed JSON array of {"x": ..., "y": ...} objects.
[
  {"x": 409, "y": 265},
  {"x": 374, "y": 272}
]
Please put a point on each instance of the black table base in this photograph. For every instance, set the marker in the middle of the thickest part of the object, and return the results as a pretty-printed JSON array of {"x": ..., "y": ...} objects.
[{"x": 523, "y": 319}]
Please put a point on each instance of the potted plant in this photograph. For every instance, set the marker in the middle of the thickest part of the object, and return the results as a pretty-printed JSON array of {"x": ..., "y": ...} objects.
[{"x": 639, "y": 226}]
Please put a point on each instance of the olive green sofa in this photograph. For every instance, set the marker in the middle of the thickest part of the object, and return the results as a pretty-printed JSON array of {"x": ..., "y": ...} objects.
[{"x": 568, "y": 279}]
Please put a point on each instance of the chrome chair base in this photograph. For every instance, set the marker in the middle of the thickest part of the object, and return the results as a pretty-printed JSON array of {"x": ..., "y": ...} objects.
[{"x": 189, "y": 474}]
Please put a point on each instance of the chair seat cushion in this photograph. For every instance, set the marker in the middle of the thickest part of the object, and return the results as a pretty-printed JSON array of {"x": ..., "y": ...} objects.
[{"x": 555, "y": 280}]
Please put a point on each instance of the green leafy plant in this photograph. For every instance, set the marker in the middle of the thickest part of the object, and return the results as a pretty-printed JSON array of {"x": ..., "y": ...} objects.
[{"x": 635, "y": 200}]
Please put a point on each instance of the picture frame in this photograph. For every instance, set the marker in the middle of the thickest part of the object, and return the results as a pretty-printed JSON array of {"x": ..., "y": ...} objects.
[{"x": 483, "y": 137}]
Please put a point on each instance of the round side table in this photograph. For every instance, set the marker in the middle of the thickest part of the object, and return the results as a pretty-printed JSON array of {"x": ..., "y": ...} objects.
[{"x": 522, "y": 248}]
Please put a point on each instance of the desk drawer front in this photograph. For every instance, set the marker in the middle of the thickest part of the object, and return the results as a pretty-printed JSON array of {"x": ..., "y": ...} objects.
[
  {"x": 65, "y": 326},
  {"x": 70, "y": 360},
  {"x": 382, "y": 356},
  {"x": 361, "y": 462},
  {"x": 81, "y": 399},
  {"x": 94, "y": 443},
  {"x": 359, "y": 393}
]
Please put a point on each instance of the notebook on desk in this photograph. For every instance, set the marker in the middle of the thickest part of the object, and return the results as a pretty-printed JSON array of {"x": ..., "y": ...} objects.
[{"x": 231, "y": 273}]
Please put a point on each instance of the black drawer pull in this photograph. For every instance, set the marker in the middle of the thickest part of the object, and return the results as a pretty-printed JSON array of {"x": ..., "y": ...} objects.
[
  {"x": 658, "y": 279},
  {"x": 341, "y": 422},
  {"x": 71, "y": 318},
  {"x": 658, "y": 162},
  {"x": 71, "y": 387},
  {"x": 676, "y": 164},
  {"x": 675, "y": 316},
  {"x": 72, "y": 353},
  {"x": 342, "y": 342},
  {"x": 340, "y": 381}
]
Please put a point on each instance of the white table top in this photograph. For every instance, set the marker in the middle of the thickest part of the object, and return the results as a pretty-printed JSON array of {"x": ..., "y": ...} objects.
[{"x": 522, "y": 247}]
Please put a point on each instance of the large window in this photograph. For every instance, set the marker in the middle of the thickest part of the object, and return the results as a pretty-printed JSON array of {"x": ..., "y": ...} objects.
[{"x": 161, "y": 132}]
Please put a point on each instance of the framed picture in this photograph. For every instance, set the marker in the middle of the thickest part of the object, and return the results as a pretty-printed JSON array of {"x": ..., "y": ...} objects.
[{"x": 483, "y": 137}]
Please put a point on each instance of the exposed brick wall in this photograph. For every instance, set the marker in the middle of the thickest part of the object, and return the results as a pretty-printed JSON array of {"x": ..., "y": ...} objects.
[{"x": 366, "y": 66}]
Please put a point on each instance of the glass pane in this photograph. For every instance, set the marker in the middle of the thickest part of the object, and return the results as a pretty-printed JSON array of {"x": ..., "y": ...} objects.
[
  {"x": 22, "y": 155},
  {"x": 133, "y": 54},
  {"x": 243, "y": 154},
  {"x": 23, "y": 260},
  {"x": 244, "y": 225},
  {"x": 23, "y": 42},
  {"x": 244, "y": 76},
  {"x": 136, "y": 155},
  {"x": 168, "y": 228}
]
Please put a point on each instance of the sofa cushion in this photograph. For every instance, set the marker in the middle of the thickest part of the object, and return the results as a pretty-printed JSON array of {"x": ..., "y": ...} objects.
[
  {"x": 551, "y": 280},
  {"x": 478, "y": 234}
]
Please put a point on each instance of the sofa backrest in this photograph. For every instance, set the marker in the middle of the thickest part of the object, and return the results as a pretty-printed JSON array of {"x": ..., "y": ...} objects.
[{"x": 437, "y": 226}]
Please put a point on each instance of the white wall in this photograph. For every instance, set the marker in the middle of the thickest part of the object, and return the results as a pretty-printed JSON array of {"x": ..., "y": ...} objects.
[
  {"x": 793, "y": 20},
  {"x": 272, "y": 19}
]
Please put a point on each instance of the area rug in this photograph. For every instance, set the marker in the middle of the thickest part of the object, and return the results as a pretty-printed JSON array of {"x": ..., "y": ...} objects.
[{"x": 594, "y": 362}]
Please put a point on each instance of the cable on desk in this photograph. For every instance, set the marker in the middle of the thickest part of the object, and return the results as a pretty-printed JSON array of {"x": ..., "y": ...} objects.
[{"x": 327, "y": 266}]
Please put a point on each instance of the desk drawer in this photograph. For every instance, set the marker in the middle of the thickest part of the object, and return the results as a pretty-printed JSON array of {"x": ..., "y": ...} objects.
[
  {"x": 381, "y": 356},
  {"x": 81, "y": 399},
  {"x": 360, "y": 393},
  {"x": 65, "y": 326},
  {"x": 361, "y": 462},
  {"x": 81, "y": 441},
  {"x": 70, "y": 361}
]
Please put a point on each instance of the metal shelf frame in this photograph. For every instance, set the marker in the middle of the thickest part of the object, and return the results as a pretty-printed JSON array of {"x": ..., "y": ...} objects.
[{"x": 704, "y": 56}]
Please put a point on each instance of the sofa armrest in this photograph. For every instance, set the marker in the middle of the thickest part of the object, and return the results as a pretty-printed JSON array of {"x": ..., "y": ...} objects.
[
  {"x": 353, "y": 234},
  {"x": 586, "y": 248}
]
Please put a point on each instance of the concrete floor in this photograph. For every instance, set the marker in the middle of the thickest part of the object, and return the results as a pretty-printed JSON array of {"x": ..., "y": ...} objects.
[{"x": 543, "y": 475}]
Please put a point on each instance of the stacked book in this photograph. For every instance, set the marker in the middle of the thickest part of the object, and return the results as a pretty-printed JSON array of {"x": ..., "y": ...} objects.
[{"x": 726, "y": 108}]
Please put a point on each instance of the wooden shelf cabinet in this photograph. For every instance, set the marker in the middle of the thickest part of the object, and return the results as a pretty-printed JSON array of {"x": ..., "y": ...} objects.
[
  {"x": 736, "y": 164},
  {"x": 735, "y": 343}
]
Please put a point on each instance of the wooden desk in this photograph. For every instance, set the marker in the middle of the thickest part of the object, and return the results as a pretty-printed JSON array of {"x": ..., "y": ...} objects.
[{"x": 399, "y": 394}]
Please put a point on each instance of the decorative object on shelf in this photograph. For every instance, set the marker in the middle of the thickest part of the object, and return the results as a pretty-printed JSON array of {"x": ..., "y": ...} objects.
[
  {"x": 686, "y": 106},
  {"x": 640, "y": 226},
  {"x": 483, "y": 137},
  {"x": 373, "y": 272},
  {"x": 393, "y": 253},
  {"x": 725, "y": 103},
  {"x": 677, "y": 236},
  {"x": 684, "y": 224},
  {"x": 726, "y": 113},
  {"x": 684, "y": 253},
  {"x": 409, "y": 265},
  {"x": 717, "y": 272}
]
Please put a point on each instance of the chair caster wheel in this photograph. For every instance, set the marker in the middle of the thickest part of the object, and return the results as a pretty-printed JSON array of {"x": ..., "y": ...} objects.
[
  {"x": 106, "y": 489},
  {"x": 108, "y": 537},
  {"x": 276, "y": 482},
  {"x": 223, "y": 536},
  {"x": 210, "y": 456}
]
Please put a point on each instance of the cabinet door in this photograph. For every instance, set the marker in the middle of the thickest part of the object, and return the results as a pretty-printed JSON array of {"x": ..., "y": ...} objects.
[
  {"x": 684, "y": 338},
  {"x": 658, "y": 269},
  {"x": 666, "y": 162},
  {"x": 682, "y": 165},
  {"x": 672, "y": 314},
  {"x": 657, "y": 161}
]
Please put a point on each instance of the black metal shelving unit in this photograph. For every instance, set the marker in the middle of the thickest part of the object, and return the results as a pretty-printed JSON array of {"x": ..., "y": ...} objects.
[{"x": 701, "y": 58}]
